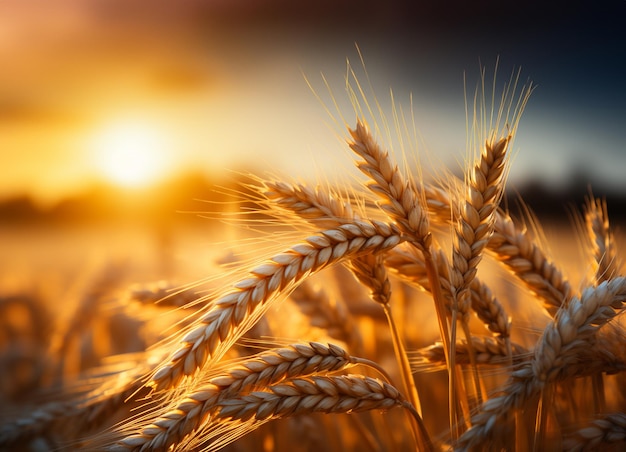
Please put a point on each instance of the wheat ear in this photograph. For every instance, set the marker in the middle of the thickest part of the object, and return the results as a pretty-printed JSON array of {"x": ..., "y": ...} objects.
[
  {"x": 485, "y": 188},
  {"x": 606, "y": 262},
  {"x": 324, "y": 208},
  {"x": 515, "y": 247},
  {"x": 606, "y": 430},
  {"x": 262, "y": 370},
  {"x": 488, "y": 350},
  {"x": 605, "y": 266},
  {"x": 402, "y": 203},
  {"x": 233, "y": 313},
  {"x": 317, "y": 394},
  {"x": 560, "y": 346},
  {"x": 332, "y": 394},
  {"x": 523, "y": 257},
  {"x": 220, "y": 411}
]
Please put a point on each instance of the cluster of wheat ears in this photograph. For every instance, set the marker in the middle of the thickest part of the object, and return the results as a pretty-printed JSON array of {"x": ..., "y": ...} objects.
[{"x": 399, "y": 344}]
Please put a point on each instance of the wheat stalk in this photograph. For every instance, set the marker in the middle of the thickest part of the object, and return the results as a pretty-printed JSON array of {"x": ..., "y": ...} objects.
[{"x": 403, "y": 204}]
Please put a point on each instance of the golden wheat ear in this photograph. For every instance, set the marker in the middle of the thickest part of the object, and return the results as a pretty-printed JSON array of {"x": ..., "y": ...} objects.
[
  {"x": 236, "y": 311},
  {"x": 200, "y": 407},
  {"x": 606, "y": 262}
]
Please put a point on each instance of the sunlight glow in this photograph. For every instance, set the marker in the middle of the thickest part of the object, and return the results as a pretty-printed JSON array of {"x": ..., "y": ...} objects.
[{"x": 132, "y": 153}]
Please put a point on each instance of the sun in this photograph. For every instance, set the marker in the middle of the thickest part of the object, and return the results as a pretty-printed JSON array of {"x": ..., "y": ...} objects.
[{"x": 131, "y": 153}]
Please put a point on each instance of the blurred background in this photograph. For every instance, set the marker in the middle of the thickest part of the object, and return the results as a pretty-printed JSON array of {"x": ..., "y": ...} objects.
[{"x": 126, "y": 114}]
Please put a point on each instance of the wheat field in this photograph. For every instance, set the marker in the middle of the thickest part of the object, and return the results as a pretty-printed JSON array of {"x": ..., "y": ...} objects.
[{"x": 404, "y": 311}]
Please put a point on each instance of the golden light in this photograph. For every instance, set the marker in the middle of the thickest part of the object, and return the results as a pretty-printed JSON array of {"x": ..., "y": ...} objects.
[{"x": 132, "y": 153}]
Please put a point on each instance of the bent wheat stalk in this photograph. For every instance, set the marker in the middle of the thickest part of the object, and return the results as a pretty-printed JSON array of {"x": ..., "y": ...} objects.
[{"x": 233, "y": 313}]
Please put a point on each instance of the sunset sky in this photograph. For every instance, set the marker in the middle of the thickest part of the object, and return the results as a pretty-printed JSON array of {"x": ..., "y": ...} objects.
[{"x": 132, "y": 92}]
